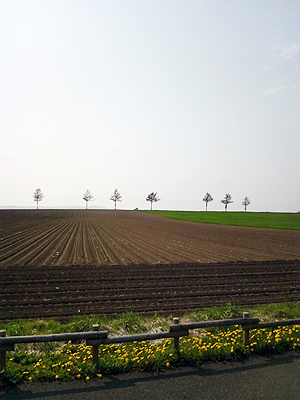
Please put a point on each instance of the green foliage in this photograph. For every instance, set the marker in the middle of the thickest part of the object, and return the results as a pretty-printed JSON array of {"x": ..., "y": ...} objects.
[
  {"x": 276, "y": 311},
  {"x": 223, "y": 312},
  {"x": 31, "y": 327},
  {"x": 157, "y": 323},
  {"x": 74, "y": 361},
  {"x": 84, "y": 323},
  {"x": 136, "y": 323},
  {"x": 254, "y": 219},
  {"x": 130, "y": 323}
]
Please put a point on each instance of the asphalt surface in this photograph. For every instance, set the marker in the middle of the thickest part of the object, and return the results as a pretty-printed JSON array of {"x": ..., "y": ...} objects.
[{"x": 268, "y": 377}]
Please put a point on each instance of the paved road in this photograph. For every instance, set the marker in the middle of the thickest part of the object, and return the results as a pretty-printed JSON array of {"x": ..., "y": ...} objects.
[{"x": 271, "y": 377}]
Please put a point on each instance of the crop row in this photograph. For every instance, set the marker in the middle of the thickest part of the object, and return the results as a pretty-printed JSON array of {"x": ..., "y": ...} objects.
[
  {"x": 129, "y": 282},
  {"x": 264, "y": 282},
  {"x": 161, "y": 306},
  {"x": 91, "y": 289},
  {"x": 171, "y": 292},
  {"x": 217, "y": 270}
]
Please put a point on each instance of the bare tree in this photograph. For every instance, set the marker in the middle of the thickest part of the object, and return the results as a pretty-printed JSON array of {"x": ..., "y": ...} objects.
[
  {"x": 207, "y": 198},
  {"x": 88, "y": 196},
  {"x": 38, "y": 196},
  {"x": 246, "y": 202},
  {"x": 153, "y": 198},
  {"x": 116, "y": 197},
  {"x": 226, "y": 200}
]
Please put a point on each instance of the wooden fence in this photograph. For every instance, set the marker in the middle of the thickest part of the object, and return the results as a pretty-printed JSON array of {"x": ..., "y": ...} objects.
[{"x": 95, "y": 337}]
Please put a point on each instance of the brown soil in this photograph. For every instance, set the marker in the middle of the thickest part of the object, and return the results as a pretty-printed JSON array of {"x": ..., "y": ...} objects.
[
  {"x": 59, "y": 263},
  {"x": 59, "y": 237},
  {"x": 35, "y": 292}
]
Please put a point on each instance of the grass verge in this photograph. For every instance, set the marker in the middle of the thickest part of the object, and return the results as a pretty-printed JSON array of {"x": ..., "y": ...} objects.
[
  {"x": 252, "y": 219},
  {"x": 71, "y": 361}
]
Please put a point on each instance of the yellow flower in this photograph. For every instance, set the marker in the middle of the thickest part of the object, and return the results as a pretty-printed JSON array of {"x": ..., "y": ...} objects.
[
  {"x": 87, "y": 378},
  {"x": 56, "y": 377},
  {"x": 78, "y": 376},
  {"x": 168, "y": 364},
  {"x": 99, "y": 375}
]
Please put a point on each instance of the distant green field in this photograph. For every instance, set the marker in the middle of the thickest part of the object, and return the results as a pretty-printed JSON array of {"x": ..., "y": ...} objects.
[{"x": 254, "y": 219}]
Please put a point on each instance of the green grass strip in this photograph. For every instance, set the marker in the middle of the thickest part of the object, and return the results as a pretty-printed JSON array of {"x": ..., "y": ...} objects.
[
  {"x": 75, "y": 361},
  {"x": 252, "y": 219},
  {"x": 63, "y": 362}
]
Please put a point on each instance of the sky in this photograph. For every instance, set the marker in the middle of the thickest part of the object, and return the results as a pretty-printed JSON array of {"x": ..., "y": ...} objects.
[{"x": 168, "y": 96}]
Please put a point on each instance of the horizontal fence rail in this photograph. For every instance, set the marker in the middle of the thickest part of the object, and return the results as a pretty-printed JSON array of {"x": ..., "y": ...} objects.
[
  {"x": 96, "y": 337},
  {"x": 211, "y": 324},
  {"x": 274, "y": 324},
  {"x": 138, "y": 338},
  {"x": 59, "y": 337}
]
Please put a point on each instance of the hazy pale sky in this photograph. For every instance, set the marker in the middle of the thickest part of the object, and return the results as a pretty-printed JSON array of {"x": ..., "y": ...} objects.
[{"x": 176, "y": 97}]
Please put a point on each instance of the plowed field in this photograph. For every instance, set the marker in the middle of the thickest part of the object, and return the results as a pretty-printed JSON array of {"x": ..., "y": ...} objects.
[{"x": 56, "y": 263}]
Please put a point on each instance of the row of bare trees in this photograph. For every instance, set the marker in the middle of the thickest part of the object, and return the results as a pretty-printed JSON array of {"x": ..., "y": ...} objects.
[
  {"x": 116, "y": 197},
  {"x": 152, "y": 197},
  {"x": 227, "y": 200},
  {"x": 88, "y": 196}
]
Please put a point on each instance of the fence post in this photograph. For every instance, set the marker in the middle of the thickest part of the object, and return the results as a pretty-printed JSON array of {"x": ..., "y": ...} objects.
[
  {"x": 246, "y": 331},
  {"x": 95, "y": 346},
  {"x": 2, "y": 353},
  {"x": 176, "y": 339}
]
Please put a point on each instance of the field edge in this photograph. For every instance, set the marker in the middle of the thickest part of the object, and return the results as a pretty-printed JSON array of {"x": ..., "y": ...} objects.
[{"x": 272, "y": 220}]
